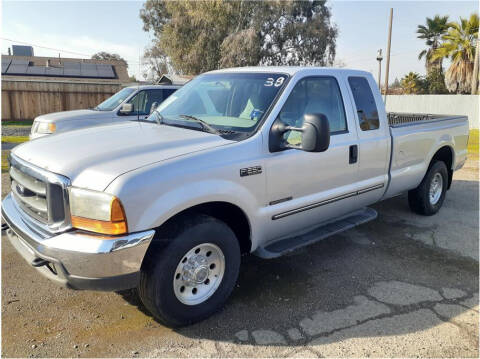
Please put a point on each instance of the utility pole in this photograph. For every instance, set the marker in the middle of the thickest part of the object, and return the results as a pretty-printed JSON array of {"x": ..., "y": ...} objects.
[
  {"x": 387, "y": 70},
  {"x": 379, "y": 59},
  {"x": 475, "y": 76}
]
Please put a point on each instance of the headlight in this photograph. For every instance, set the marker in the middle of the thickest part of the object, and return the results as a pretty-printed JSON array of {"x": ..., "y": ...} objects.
[
  {"x": 46, "y": 127},
  {"x": 97, "y": 212}
]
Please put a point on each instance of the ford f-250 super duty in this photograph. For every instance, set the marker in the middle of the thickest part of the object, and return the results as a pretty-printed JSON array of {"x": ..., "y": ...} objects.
[{"x": 261, "y": 160}]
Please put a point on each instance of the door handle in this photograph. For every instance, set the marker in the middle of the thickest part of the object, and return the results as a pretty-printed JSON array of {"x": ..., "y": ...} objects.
[{"x": 353, "y": 154}]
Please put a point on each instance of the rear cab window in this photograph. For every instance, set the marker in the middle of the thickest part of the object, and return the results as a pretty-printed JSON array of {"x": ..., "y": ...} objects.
[{"x": 365, "y": 103}]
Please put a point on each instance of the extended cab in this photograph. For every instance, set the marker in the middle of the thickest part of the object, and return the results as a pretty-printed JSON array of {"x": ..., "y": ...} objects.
[
  {"x": 130, "y": 103},
  {"x": 262, "y": 160}
]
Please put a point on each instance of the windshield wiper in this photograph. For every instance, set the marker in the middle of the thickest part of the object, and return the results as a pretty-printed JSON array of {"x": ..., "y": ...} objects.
[{"x": 205, "y": 126}]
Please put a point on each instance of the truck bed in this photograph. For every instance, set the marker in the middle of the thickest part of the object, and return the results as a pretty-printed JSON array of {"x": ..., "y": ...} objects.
[
  {"x": 397, "y": 119},
  {"x": 415, "y": 140}
]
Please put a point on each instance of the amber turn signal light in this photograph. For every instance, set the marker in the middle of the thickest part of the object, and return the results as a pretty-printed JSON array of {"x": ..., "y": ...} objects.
[{"x": 116, "y": 225}]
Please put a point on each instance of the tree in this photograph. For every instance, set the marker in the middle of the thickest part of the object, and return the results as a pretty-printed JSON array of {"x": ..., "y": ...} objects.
[
  {"x": 155, "y": 63},
  {"x": 412, "y": 83},
  {"x": 102, "y": 55},
  {"x": 198, "y": 36},
  {"x": 475, "y": 75},
  {"x": 459, "y": 46},
  {"x": 240, "y": 49},
  {"x": 396, "y": 84},
  {"x": 432, "y": 33},
  {"x": 435, "y": 82},
  {"x": 295, "y": 32}
]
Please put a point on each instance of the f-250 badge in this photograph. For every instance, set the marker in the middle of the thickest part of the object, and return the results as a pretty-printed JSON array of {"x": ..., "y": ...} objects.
[{"x": 249, "y": 171}]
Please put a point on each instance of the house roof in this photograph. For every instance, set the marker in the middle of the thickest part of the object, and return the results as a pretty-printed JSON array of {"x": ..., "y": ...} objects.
[
  {"x": 41, "y": 67},
  {"x": 173, "y": 79}
]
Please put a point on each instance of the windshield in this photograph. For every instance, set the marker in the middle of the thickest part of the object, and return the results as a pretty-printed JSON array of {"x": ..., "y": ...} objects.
[
  {"x": 227, "y": 102},
  {"x": 111, "y": 103}
]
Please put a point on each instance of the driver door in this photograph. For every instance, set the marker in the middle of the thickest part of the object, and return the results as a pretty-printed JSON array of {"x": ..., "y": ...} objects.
[
  {"x": 142, "y": 103},
  {"x": 307, "y": 188}
]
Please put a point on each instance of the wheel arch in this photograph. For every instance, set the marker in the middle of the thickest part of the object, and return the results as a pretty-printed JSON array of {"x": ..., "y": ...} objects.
[
  {"x": 227, "y": 212},
  {"x": 446, "y": 155}
]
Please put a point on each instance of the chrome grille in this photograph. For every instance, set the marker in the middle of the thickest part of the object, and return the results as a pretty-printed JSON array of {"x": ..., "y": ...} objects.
[
  {"x": 42, "y": 195},
  {"x": 34, "y": 203}
]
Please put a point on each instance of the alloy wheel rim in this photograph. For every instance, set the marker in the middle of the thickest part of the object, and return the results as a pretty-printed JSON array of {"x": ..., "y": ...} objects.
[
  {"x": 436, "y": 188},
  {"x": 199, "y": 274}
]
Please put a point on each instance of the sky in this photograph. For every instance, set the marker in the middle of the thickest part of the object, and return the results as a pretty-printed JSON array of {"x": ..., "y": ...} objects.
[{"x": 81, "y": 28}]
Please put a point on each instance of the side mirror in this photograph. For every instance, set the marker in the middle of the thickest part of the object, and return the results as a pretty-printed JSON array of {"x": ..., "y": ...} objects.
[
  {"x": 126, "y": 108},
  {"x": 315, "y": 134},
  {"x": 154, "y": 106}
]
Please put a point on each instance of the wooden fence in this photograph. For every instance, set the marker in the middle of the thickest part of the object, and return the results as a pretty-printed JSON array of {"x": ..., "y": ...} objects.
[{"x": 27, "y": 99}]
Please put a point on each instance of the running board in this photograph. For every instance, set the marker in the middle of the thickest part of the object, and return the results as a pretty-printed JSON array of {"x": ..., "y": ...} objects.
[{"x": 286, "y": 245}]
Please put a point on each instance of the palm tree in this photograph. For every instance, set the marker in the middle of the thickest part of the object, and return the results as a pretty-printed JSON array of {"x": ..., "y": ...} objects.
[
  {"x": 411, "y": 83},
  {"x": 459, "y": 46},
  {"x": 432, "y": 33}
]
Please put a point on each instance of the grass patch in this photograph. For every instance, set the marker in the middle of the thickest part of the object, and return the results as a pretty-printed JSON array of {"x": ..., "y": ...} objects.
[
  {"x": 473, "y": 141},
  {"x": 14, "y": 139},
  {"x": 5, "y": 154},
  {"x": 17, "y": 123}
]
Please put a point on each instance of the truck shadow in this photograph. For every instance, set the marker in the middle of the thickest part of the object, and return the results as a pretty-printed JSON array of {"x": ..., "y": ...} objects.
[{"x": 367, "y": 282}]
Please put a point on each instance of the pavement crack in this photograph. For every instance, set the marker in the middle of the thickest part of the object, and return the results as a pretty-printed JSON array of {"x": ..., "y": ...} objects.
[
  {"x": 395, "y": 310},
  {"x": 434, "y": 242},
  {"x": 359, "y": 322}
]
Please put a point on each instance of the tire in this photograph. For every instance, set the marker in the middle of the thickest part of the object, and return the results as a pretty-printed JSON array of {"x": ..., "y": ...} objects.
[
  {"x": 166, "y": 269},
  {"x": 421, "y": 200}
]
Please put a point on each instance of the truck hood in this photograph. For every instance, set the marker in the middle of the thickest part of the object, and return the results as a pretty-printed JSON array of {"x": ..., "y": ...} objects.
[
  {"x": 93, "y": 157},
  {"x": 73, "y": 115}
]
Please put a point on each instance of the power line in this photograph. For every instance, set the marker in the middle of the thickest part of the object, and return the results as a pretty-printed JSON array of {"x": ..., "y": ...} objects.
[
  {"x": 54, "y": 49},
  {"x": 44, "y": 47}
]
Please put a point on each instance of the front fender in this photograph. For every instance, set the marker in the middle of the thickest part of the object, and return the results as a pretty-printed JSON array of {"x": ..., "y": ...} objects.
[{"x": 170, "y": 203}]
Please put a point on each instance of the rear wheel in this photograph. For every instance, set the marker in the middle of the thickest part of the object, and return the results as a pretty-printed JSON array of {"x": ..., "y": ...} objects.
[
  {"x": 428, "y": 197},
  {"x": 193, "y": 275}
]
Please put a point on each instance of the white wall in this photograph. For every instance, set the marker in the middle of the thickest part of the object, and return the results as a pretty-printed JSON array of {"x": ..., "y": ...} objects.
[{"x": 437, "y": 104}]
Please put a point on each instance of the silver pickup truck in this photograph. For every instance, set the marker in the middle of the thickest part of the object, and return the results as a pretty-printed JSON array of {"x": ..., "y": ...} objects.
[
  {"x": 130, "y": 103},
  {"x": 259, "y": 160}
]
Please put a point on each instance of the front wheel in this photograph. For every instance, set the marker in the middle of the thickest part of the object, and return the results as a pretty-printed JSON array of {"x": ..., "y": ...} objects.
[
  {"x": 194, "y": 274},
  {"x": 428, "y": 197}
]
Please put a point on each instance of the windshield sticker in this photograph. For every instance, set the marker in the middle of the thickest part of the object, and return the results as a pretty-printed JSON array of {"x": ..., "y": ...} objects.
[{"x": 272, "y": 82}]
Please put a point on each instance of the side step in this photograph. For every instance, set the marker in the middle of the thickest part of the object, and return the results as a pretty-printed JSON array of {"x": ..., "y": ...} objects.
[{"x": 286, "y": 245}]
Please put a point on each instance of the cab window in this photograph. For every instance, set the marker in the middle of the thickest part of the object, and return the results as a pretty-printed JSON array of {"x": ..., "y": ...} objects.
[
  {"x": 144, "y": 100},
  {"x": 365, "y": 103},
  {"x": 314, "y": 95}
]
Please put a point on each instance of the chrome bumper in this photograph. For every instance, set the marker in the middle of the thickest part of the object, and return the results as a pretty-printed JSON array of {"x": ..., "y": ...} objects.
[{"x": 77, "y": 259}]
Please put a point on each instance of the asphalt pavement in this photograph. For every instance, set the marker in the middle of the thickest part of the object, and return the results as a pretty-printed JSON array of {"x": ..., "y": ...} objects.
[{"x": 401, "y": 285}]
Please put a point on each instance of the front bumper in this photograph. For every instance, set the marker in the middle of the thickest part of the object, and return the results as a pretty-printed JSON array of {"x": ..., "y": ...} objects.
[{"x": 77, "y": 259}]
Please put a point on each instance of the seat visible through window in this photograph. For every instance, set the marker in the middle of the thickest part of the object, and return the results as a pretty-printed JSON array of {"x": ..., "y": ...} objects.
[{"x": 315, "y": 95}]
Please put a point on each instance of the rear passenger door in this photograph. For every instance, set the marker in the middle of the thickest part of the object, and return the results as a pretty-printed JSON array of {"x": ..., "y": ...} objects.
[{"x": 373, "y": 138}]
